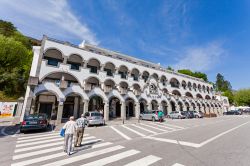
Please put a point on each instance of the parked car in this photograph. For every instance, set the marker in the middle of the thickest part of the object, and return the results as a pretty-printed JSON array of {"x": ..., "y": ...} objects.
[
  {"x": 232, "y": 112},
  {"x": 94, "y": 118},
  {"x": 150, "y": 115},
  {"x": 196, "y": 114},
  {"x": 187, "y": 114},
  {"x": 34, "y": 122},
  {"x": 176, "y": 115}
]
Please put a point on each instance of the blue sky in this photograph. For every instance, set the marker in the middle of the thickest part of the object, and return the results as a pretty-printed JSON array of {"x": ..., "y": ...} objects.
[{"x": 207, "y": 36}]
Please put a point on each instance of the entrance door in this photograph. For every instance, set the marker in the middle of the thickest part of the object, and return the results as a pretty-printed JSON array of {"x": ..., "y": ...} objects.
[
  {"x": 46, "y": 108},
  {"x": 131, "y": 109},
  {"x": 118, "y": 109}
]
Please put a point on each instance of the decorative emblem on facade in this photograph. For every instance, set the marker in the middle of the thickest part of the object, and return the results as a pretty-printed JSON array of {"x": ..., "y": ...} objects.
[{"x": 152, "y": 90}]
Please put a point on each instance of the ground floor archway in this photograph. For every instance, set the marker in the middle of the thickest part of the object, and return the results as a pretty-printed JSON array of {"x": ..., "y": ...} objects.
[
  {"x": 164, "y": 107},
  {"x": 143, "y": 105},
  {"x": 154, "y": 104},
  {"x": 114, "y": 108},
  {"x": 180, "y": 106},
  {"x": 96, "y": 104},
  {"x": 173, "y": 107},
  {"x": 130, "y": 107}
]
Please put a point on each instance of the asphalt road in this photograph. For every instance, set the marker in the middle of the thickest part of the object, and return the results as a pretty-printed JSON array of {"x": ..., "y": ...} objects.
[{"x": 189, "y": 142}]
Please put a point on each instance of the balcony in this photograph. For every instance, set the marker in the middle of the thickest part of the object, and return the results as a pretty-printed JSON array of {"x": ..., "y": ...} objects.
[
  {"x": 89, "y": 87},
  {"x": 137, "y": 92},
  {"x": 123, "y": 91},
  {"x": 108, "y": 89}
]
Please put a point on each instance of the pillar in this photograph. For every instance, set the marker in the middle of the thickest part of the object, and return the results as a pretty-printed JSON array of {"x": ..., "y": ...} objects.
[
  {"x": 81, "y": 107},
  {"x": 123, "y": 110},
  {"x": 59, "y": 113},
  {"x": 76, "y": 105},
  {"x": 86, "y": 106},
  {"x": 169, "y": 108},
  {"x": 106, "y": 111},
  {"x": 137, "y": 110},
  {"x": 27, "y": 103}
]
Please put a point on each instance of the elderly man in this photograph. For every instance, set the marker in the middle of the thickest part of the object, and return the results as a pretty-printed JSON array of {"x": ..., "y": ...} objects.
[
  {"x": 70, "y": 129},
  {"x": 80, "y": 130}
]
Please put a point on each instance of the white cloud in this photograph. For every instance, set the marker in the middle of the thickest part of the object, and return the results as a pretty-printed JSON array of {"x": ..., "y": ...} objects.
[
  {"x": 202, "y": 58},
  {"x": 52, "y": 17}
]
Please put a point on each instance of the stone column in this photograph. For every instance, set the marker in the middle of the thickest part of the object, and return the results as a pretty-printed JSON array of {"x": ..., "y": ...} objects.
[
  {"x": 86, "y": 106},
  {"x": 80, "y": 108},
  {"x": 106, "y": 111},
  {"x": 59, "y": 113},
  {"x": 169, "y": 108},
  {"x": 123, "y": 110},
  {"x": 76, "y": 104},
  {"x": 137, "y": 110}
]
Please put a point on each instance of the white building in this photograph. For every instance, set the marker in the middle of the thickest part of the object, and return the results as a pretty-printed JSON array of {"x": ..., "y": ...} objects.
[{"x": 72, "y": 80}]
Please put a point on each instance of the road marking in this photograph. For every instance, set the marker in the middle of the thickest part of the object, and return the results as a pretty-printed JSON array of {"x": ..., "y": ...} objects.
[
  {"x": 144, "y": 161},
  {"x": 177, "y": 164},
  {"x": 221, "y": 134},
  {"x": 39, "y": 142},
  {"x": 23, "y": 137},
  {"x": 144, "y": 129},
  {"x": 153, "y": 127},
  {"x": 194, "y": 145},
  {"x": 163, "y": 126},
  {"x": 113, "y": 158},
  {"x": 120, "y": 133},
  {"x": 173, "y": 126},
  {"x": 84, "y": 156},
  {"x": 134, "y": 131},
  {"x": 38, "y": 139},
  {"x": 52, "y": 144}
]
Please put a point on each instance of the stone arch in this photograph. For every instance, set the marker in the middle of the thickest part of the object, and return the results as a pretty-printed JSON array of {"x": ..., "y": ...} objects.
[
  {"x": 207, "y": 97},
  {"x": 154, "y": 105},
  {"x": 58, "y": 75},
  {"x": 155, "y": 76},
  {"x": 176, "y": 92},
  {"x": 135, "y": 73},
  {"x": 145, "y": 75},
  {"x": 91, "y": 83},
  {"x": 109, "y": 67},
  {"x": 184, "y": 84},
  {"x": 188, "y": 94},
  {"x": 123, "y": 71},
  {"x": 143, "y": 105},
  {"x": 163, "y": 80},
  {"x": 174, "y": 83},
  {"x": 94, "y": 65},
  {"x": 199, "y": 96},
  {"x": 53, "y": 53},
  {"x": 98, "y": 92}
]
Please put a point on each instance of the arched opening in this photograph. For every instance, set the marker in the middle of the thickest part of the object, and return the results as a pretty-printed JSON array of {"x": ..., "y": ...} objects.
[
  {"x": 199, "y": 106},
  {"x": 109, "y": 85},
  {"x": 62, "y": 80},
  {"x": 188, "y": 94},
  {"x": 172, "y": 103},
  {"x": 114, "y": 108},
  {"x": 204, "y": 108},
  {"x": 164, "y": 107},
  {"x": 93, "y": 65},
  {"x": 199, "y": 87},
  {"x": 143, "y": 105},
  {"x": 71, "y": 107},
  {"x": 91, "y": 83},
  {"x": 176, "y": 92},
  {"x": 75, "y": 61},
  {"x": 194, "y": 86},
  {"x": 203, "y": 88},
  {"x": 155, "y": 76},
  {"x": 199, "y": 96},
  {"x": 180, "y": 106},
  {"x": 174, "y": 83},
  {"x": 96, "y": 104},
  {"x": 123, "y": 71},
  {"x": 187, "y": 106},
  {"x": 130, "y": 107},
  {"x": 123, "y": 87},
  {"x": 189, "y": 86},
  {"x": 184, "y": 84},
  {"x": 208, "y": 90},
  {"x": 193, "y": 106},
  {"x": 137, "y": 89},
  {"x": 145, "y": 76},
  {"x": 163, "y": 80},
  {"x": 109, "y": 68},
  {"x": 165, "y": 91},
  {"x": 207, "y": 97},
  {"x": 135, "y": 74},
  {"x": 46, "y": 102},
  {"x": 53, "y": 57},
  {"x": 154, "y": 104}
]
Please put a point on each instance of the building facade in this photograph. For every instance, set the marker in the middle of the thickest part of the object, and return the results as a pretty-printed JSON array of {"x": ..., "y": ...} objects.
[{"x": 71, "y": 80}]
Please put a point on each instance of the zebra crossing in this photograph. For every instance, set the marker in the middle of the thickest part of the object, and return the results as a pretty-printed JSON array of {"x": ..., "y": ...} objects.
[
  {"x": 46, "y": 149},
  {"x": 130, "y": 131}
]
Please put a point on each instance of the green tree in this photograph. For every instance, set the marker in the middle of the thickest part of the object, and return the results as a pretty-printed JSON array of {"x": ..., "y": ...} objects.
[
  {"x": 194, "y": 74},
  {"x": 222, "y": 84},
  {"x": 15, "y": 60},
  {"x": 242, "y": 97},
  {"x": 230, "y": 96},
  {"x": 7, "y": 28},
  {"x": 170, "y": 68}
]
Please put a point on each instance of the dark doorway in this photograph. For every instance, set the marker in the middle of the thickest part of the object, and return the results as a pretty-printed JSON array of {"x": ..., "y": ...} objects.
[{"x": 46, "y": 108}]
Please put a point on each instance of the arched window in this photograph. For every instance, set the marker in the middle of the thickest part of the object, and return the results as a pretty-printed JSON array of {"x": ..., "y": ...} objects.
[
  {"x": 93, "y": 65},
  {"x": 109, "y": 68},
  {"x": 123, "y": 71},
  {"x": 53, "y": 57},
  {"x": 174, "y": 83},
  {"x": 135, "y": 74},
  {"x": 75, "y": 61},
  {"x": 145, "y": 76}
]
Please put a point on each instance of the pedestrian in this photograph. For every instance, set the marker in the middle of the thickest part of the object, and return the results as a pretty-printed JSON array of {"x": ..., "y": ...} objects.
[
  {"x": 80, "y": 122},
  {"x": 160, "y": 116},
  {"x": 53, "y": 121},
  {"x": 70, "y": 129}
]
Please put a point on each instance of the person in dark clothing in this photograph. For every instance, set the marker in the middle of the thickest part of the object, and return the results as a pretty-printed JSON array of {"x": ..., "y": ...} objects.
[{"x": 53, "y": 120}]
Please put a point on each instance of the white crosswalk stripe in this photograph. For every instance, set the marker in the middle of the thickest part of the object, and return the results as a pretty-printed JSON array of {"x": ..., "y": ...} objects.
[
  {"x": 120, "y": 133},
  {"x": 150, "y": 131},
  {"x": 113, "y": 158},
  {"x": 163, "y": 126},
  {"x": 35, "y": 150},
  {"x": 134, "y": 131},
  {"x": 175, "y": 126},
  {"x": 148, "y": 160},
  {"x": 36, "y": 136},
  {"x": 153, "y": 127}
]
